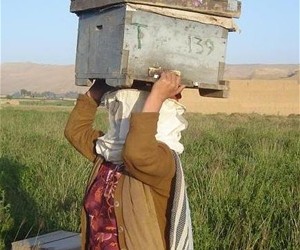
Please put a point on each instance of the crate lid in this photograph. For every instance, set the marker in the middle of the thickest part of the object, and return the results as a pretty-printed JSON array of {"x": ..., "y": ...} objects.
[
  {"x": 226, "y": 8},
  {"x": 225, "y": 22}
]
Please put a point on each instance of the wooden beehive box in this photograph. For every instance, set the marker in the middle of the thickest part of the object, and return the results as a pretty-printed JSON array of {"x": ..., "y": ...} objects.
[{"x": 123, "y": 43}]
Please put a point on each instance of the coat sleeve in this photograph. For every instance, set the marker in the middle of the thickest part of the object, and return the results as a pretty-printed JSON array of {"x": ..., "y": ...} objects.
[
  {"x": 145, "y": 158},
  {"x": 79, "y": 129}
]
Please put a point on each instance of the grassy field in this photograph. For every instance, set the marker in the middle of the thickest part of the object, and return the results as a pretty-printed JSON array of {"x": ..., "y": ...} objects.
[{"x": 242, "y": 171}]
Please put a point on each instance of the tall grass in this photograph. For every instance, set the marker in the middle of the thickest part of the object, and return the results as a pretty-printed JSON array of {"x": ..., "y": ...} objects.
[
  {"x": 244, "y": 181},
  {"x": 242, "y": 171}
]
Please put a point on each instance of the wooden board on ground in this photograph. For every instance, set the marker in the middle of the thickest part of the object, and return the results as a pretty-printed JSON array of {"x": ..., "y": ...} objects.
[{"x": 59, "y": 240}]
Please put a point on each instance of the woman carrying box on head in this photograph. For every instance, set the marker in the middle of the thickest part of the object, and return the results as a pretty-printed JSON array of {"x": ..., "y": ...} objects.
[{"x": 136, "y": 197}]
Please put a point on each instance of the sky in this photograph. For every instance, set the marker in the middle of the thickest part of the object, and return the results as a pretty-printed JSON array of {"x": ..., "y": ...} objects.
[{"x": 45, "y": 32}]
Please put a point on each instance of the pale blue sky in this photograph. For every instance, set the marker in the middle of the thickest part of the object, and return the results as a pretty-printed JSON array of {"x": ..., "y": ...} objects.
[{"x": 45, "y": 32}]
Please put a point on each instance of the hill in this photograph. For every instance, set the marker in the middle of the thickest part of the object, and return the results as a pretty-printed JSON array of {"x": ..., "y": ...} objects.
[
  {"x": 60, "y": 78},
  {"x": 262, "y": 72},
  {"x": 37, "y": 78}
]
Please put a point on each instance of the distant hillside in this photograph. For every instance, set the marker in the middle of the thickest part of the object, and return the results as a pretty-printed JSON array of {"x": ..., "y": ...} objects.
[
  {"x": 60, "y": 78},
  {"x": 262, "y": 71},
  {"x": 37, "y": 78}
]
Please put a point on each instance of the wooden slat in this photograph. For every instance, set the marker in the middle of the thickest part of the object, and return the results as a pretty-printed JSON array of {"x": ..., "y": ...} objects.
[
  {"x": 227, "y": 8},
  {"x": 70, "y": 243},
  {"x": 220, "y": 90}
]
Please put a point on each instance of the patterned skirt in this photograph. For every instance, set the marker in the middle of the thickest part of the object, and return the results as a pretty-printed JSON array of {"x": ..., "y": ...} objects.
[{"x": 99, "y": 205}]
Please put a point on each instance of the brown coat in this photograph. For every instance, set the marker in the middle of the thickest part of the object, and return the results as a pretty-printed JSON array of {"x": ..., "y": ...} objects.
[{"x": 142, "y": 194}]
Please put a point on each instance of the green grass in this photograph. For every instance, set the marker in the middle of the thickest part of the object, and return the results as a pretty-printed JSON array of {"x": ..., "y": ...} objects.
[
  {"x": 45, "y": 102},
  {"x": 242, "y": 172}
]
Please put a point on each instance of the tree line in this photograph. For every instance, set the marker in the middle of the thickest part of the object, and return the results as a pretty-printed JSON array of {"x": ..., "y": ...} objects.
[{"x": 23, "y": 93}]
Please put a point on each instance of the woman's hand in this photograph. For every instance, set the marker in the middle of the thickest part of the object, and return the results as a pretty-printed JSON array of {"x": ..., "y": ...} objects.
[
  {"x": 168, "y": 86},
  {"x": 98, "y": 89}
]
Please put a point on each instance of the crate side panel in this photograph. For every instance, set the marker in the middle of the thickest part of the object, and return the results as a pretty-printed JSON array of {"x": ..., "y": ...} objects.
[
  {"x": 195, "y": 49},
  {"x": 100, "y": 43}
]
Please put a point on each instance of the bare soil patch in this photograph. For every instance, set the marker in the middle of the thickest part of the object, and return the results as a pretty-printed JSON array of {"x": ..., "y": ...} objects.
[{"x": 272, "y": 97}]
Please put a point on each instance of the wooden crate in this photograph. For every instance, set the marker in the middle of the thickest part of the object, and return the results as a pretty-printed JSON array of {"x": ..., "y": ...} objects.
[
  {"x": 120, "y": 44},
  {"x": 59, "y": 240},
  {"x": 229, "y": 8}
]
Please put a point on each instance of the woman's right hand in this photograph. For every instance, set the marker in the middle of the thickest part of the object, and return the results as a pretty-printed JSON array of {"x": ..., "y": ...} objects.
[{"x": 98, "y": 89}]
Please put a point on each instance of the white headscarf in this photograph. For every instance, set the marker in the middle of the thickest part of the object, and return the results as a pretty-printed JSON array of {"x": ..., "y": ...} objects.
[{"x": 120, "y": 105}]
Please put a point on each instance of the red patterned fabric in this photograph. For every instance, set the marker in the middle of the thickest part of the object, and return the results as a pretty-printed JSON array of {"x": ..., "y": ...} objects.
[{"x": 99, "y": 205}]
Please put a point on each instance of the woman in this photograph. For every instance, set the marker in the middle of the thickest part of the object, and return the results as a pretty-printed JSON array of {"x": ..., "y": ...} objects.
[{"x": 135, "y": 198}]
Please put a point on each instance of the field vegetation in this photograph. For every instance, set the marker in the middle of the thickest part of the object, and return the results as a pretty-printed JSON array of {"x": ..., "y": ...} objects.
[{"x": 242, "y": 171}]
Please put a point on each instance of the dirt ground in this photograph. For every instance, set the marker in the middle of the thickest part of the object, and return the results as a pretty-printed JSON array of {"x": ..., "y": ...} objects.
[{"x": 272, "y": 97}]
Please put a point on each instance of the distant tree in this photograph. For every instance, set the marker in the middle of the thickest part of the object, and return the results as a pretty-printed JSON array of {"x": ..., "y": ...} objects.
[
  {"x": 16, "y": 95},
  {"x": 25, "y": 92},
  {"x": 36, "y": 94},
  {"x": 9, "y": 97},
  {"x": 49, "y": 95},
  {"x": 71, "y": 94}
]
